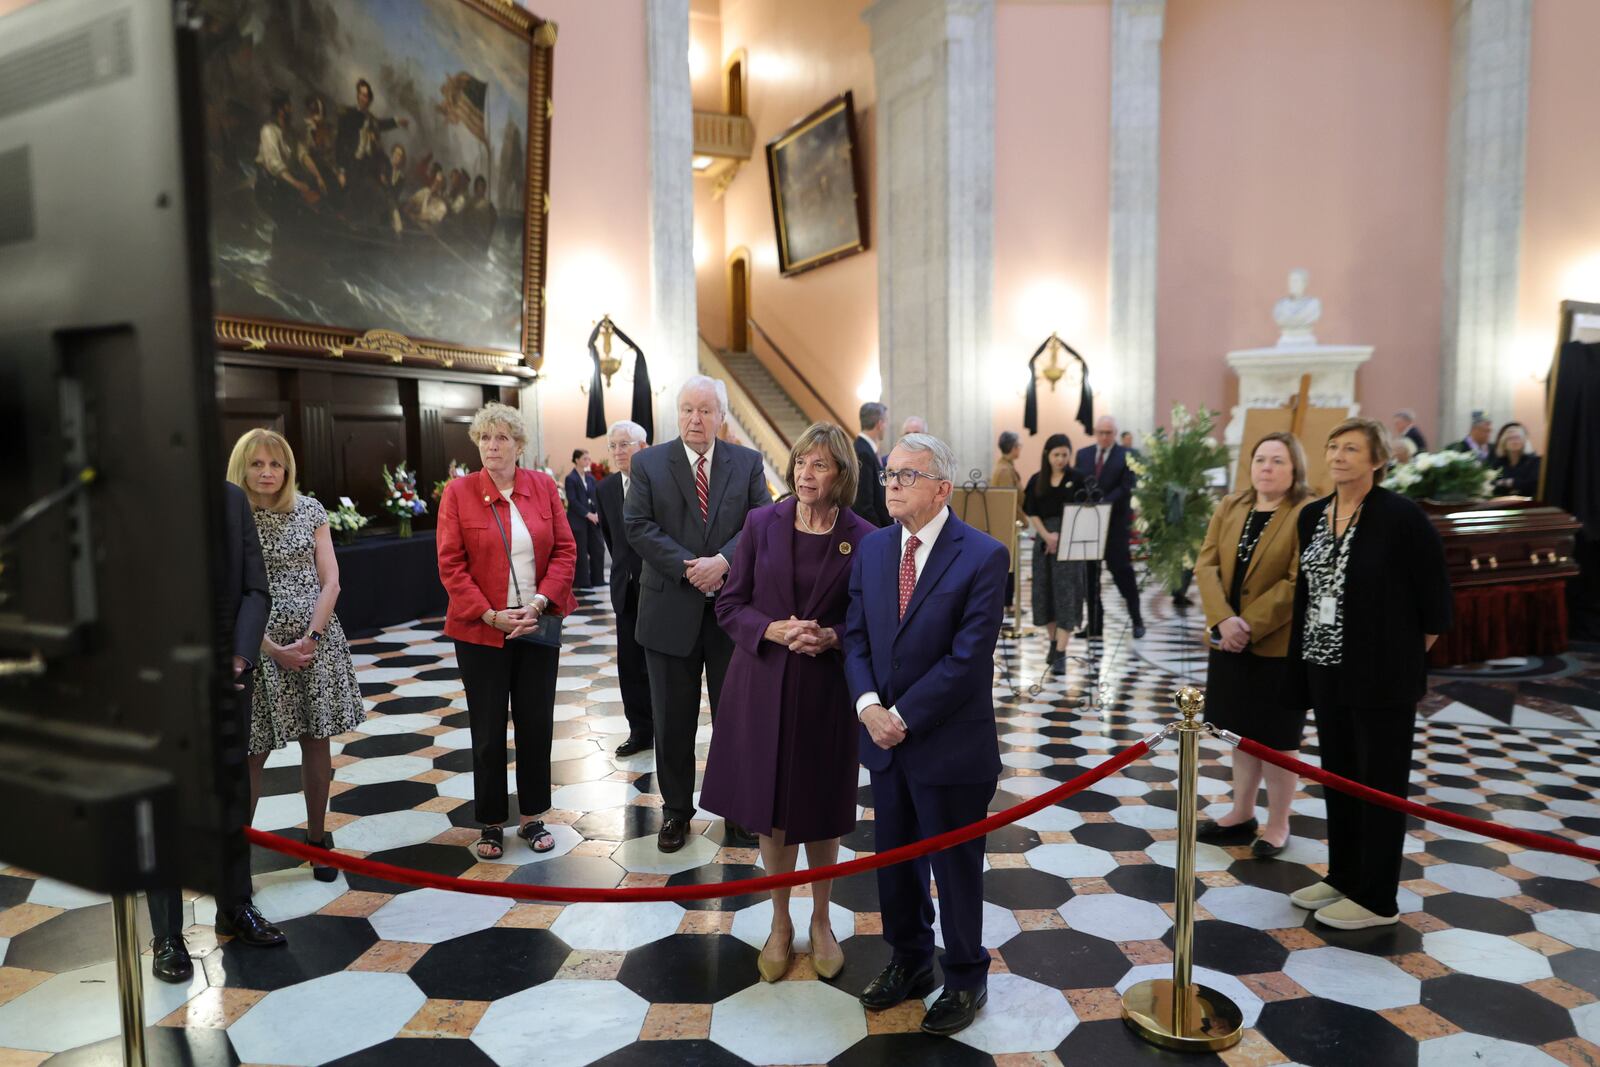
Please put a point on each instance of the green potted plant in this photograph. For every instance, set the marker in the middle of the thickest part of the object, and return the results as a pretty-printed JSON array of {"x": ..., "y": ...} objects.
[{"x": 1172, "y": 501}]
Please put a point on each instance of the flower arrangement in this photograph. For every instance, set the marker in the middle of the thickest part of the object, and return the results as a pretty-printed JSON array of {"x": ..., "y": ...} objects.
[
  {"x": 457, "y": 470},
  {"x": 1453, "y": 476},
  {"x": 345, "y": 522},
  {"x": 1173, "y": 505},
  {"x": 403, "y": 502}
]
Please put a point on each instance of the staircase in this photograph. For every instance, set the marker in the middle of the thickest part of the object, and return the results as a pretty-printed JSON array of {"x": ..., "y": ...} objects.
[{"x": 774, "y": 403}]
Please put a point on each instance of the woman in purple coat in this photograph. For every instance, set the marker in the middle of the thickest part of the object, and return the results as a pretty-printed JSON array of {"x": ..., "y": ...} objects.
[{"x": 783, "y": 752}]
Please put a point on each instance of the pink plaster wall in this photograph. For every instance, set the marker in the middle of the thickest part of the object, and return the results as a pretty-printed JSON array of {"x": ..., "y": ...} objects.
[
  {"x": 1051, "y": 198},
  {"x": 599, "y": 254},
  {"x": 1303, "y": 135},
  {"x": 706, "y": 59},
  {"x": 826, "y": 320},
  {"x": 1561, "y": 213}
]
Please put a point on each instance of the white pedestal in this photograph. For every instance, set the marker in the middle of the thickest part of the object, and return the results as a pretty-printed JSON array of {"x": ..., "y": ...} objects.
[{"x": 1269, "y": 377}]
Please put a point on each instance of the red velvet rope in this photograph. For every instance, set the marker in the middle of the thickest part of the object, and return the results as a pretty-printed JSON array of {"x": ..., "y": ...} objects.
[
  {"x": 1525, "y": 838},
  {"x": 569, "y": 895}
]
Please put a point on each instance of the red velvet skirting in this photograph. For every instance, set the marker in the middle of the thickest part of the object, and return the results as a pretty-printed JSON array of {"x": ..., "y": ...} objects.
[{"x": 1495, "y": 621}]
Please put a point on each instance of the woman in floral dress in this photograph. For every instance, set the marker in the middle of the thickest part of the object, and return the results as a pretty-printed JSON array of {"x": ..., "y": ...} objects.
[{"x": 305, "y": 688}]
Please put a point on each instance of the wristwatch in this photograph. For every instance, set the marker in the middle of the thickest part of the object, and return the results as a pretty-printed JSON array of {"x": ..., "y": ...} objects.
[{"x": 315, "y": 635}]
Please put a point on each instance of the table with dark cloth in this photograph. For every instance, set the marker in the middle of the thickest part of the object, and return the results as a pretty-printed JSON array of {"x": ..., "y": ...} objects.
[{"x": 387, "y": 580}]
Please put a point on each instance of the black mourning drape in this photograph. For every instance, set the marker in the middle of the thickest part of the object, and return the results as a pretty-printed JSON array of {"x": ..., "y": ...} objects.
[{"x": 1030, "y": 410}]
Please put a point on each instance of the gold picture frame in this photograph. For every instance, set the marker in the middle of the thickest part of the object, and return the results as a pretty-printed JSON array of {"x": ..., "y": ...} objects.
[{"x": 814, "y": 171}]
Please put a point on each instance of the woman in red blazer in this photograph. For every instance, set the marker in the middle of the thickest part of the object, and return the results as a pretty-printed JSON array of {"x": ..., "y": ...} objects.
[{"x": 495, "y": 597}]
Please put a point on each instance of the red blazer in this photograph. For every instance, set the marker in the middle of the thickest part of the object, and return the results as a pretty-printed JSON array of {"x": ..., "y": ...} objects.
[{"x": 472, "y": 557}]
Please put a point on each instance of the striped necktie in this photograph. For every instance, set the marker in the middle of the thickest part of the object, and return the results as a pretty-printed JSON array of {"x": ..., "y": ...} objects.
[{"x": 702, "y": 487}]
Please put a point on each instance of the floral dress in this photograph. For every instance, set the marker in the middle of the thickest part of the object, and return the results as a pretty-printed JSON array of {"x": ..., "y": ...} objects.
[{"x": 323, "y": 699}]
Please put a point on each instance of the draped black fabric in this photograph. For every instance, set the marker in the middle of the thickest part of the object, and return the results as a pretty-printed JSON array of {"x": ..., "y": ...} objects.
[
  {"x": 1572, "y": 471},
  {"x": 596, "y": 425},
  {"x": 1030, "y": 407}
]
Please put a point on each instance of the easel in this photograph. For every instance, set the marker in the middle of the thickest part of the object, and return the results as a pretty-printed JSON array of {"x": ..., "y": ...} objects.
[
  {"x": 1299, "y": 418},
  {"x": 994, "y": 511}
]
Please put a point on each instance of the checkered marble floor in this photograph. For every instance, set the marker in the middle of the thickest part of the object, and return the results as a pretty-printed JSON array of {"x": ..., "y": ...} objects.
[{"x": 1497, "y": 960}]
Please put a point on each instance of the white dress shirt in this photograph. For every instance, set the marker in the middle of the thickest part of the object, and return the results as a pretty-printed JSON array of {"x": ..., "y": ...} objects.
[
  {"x": 926, "y": 538},
  {"x": 524, "y": 567},
  {"x": 694, "y": 458}
]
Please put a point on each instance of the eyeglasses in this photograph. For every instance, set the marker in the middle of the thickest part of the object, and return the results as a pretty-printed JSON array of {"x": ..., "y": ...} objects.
[{"x": 906, "y": 478}]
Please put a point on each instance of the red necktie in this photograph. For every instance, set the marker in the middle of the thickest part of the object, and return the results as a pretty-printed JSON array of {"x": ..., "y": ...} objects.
[
  {"x": 1099, "y": 462},
  {"x": 702, "y": 486},
  {"x": 908, "y": 572}
]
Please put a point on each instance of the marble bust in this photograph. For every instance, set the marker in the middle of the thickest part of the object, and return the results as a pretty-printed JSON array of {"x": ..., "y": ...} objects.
[{"x": 1296, "y": 313}]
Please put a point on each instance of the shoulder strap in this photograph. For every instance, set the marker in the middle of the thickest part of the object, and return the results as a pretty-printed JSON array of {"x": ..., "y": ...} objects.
[{"x": 506, "y": 540}]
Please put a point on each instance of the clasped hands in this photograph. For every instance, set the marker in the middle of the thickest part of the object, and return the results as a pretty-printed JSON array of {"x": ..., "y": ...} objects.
[
  {"x": 514, "y": 622},
  {"x": 884, "y": 729},
  {"x": 1235, "y": 634},
  {"x": 805, "y": 636},
  {"x": 706, "y": 573},
  {"x": 296, "y": 656}
]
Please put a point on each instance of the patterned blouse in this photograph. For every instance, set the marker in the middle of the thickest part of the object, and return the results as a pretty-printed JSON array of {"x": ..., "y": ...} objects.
[{"x": 1323, "y": 562}]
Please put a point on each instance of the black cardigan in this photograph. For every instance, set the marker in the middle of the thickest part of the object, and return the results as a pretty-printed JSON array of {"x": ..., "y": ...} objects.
[{"x": 1397, "y": 589}]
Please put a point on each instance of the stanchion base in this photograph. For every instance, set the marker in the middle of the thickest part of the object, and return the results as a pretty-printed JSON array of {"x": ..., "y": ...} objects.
[{"x": 1215, "y": 1021}]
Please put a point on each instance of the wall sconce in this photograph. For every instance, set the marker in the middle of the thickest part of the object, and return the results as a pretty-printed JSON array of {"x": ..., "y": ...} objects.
[
  {"x": 609, "y": 364},
  {"x": 1053, "y": 372}
]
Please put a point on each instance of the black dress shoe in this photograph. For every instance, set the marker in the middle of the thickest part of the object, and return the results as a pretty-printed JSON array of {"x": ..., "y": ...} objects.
[
  {"x": 1138, "y": 630},
  {"x": 954, "y": 1011},
  {"x": 172, "y": 962},
  {"x": 1263, "y": 849},
  {"x": 673, "y": 831},
  {"x": 737, "y": 836},
  {"x": 1057, "y": 662},
  {"x": 318, "y": 871},
  {"x": 246, "y": 924},
  {"x": 634, "y": 745},
  {"x": 1209, "y": 830},
  {"x": 895, "y": 983}
]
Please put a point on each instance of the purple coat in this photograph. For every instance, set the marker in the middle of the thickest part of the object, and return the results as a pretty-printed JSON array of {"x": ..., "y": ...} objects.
[{"x": 758, "y": 700}]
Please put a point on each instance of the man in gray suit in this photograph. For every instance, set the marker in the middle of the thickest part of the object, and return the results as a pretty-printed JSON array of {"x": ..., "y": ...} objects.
[{"x": 685, "y": 507}]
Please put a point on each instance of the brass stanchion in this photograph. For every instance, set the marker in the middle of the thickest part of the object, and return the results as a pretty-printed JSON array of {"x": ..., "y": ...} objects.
[
  {"x": 130, "y": 980},
  {"x": 1015, "y": 632},
  {"x": 1176, "y": 1013}
]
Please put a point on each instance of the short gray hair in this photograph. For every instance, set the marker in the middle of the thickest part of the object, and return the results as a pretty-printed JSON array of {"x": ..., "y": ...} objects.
[
  {"x": 1409, "y": 414},
  {"x": 944, "y": 460},
  {"x": 701, "y": 381},
  {"x": 634, "y": 431},
  {"x": 495, "y": 414}
]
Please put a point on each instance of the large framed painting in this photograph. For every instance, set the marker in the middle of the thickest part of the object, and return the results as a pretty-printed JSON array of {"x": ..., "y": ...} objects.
[
  {"x": 819, "y": 206},
  {"x": 378, "y": 173}
]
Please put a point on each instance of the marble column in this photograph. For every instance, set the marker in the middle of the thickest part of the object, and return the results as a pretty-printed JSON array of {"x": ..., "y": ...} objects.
[
  {"x": 1130, "y": 379},
  {"x": 1483, "y": 210},
  {"x": 675, "y": 352},
  {"x": 933, "y": 64}
]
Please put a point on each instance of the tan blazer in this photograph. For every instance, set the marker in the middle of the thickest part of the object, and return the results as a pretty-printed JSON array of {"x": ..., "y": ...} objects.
[
  {"x": 1267, "y": 598},
  {"x": 1004, "y": 476}
]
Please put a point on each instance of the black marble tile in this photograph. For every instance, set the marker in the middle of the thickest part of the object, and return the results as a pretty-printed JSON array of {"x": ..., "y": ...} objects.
[
  {"x": 461, "y": 760},
  {"x": 372, "y": 689},
  {"x": 623, "y": 823},
  {"x": 865, "y": 955},
  {"x": 382, "y": 797},
  {"x": 14, "y": 890},
  {"x": 451, "y": 860},
  {"x": 1276, "y": 875},
  {"x": 1234, "y": 949},
  {"x": 1468, "y": 852},
  {"x": 1564, "y": 893},
  {"x": 1146, "y": 772},
  {"x": 923, "y": 1050},
  {"x": 407, "y": 660},
  {"x": 417, "y": 1052},
  {"x": 1497, "y": 1009},
  {"x": 863, "y": 837},
  {"x": 595, "y": 872},
  {"x": 73, "y": 939},
  {"x": 1024, "y": 887},
  {"x": 721, "y": 872},
  {"x": 1110, "y": 1041},
  {"x": 280, "y": 781},
  {"x": 696, "y": 1053},
  {"x": 1493, "y": 701},
  {"x": 318, "y": 945},
  {"x": 1011, "y": 838},
  {"x": 1454, "y": 781},
  {"x": 437, "y": 674},
  {"x": 489, "y": 964},
  {"x": 387, "y": 745},
  {"x": 858, "y": 892},
  {"x": 1396, "y": 940},
  {"x": 690, "y": 969},
  {"x": 1089, "y": 800},
  {"x": 415, "y": 705},
  {"x": 1065, "y": 959},
  {"x": 1325, "y": 1033},
  {"x": 1478, "y": 913},
  {"x": 1113, "y": 837},
  {"x": 1580, "y": 967},
  {"x": 165, "y": 1046}
]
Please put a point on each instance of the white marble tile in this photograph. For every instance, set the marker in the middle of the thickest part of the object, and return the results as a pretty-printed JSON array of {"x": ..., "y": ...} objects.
[
  {"x": 1028, "y": 787},
  {"x": 1248, "y": 1003},
  {"x": 457, "y": 738},
  {"x": 999, "y": 925},
  {"x": 609, "y": 695},
  {"x": 1031, "y": 740},
  {"x": 1313, "y": 807},
  {"x": 379, "y": 724},
  {"x": 788, "y": 1022},
  {"x": 288, "y": 894},
  {"x": 1305, "y": 850},
  {"x": 280, "y": 812},
  {"x": 1478, "y": 881},
  {"x": 1206, "y": 857},
  {"x": 568, "y": 712},
  {"x": 596, "y": 1019},
  {"x": 1486, "y": 955},
  {"x": 518, "y": 853},
  {"x": 1586, "y": 1019},
  {"x": 1353, "y": 978},
  {"x": 1052, "y": 818},
  {"x": 391, "y": 829},
  {"x": 1579, "y": 808},
  {"x": 1115, "y": 917},
  {"x": 287, "y": 756},
  {"x": 582, "y": 659},
  {"x": 5, "y": 946},
  {"x": 388, "y": 674},
  {"x": 1465, "y": 1048},
  {"x": 429, "y": 689},
  {"x": 382, "y": 769},
  {"x": 1452, "y": 834},
  {"x": 80, "y": 1007},
  {"x": 54, "y": 894},
  {"x": 458, "y": 786},
  {"x": 1071, "y": 860},
  {"x": 615, "y": 725},
  {"x": 1526, "y": 820},
  {"x": 593, "y": 796},
  {"x": 1555, "y": 865},
  {"x": 429, "y": 916},
  {"x": 641, "y": 856},
  {"x": 571, "y": 685},
  {"x": 1145, "y": 816},
  {"x": 1580, "y": 929},
  {"x": 326, "y": 1018},
  {"x": 1029, "y": 760},
  {"x": 1118, "y": 786},
  {"x": 446, "y": 649},
  {"x": 1021, "y": 1016},
  {"x": 1248, "y": 905},
  {"x": 619, "y": 927},
  {"x": 565, "y": 748},
  {"x": 1453, "y": 795},
  {"x": 752, "y": 925}
]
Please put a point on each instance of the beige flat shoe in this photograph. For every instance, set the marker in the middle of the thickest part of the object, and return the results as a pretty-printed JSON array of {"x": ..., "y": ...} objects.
[
  {"x": 827, "y": 967},
  {"x": 771, "y": 968},
  {"x": 1348, "y": 915},
  {"x": 1313, "y": 897}
]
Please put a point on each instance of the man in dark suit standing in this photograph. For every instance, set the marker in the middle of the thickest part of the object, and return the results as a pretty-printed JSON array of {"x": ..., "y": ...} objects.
[
  {"x": 585, "y": 522},
  {"x": 926, "y": 598},
  {"x": 244, "y": 601},
  {"x": 685, "y": 507},
  {"x": 1107, "y": 463},
  {"x": 1405, "y": 425},
  {"x": 870, "y": 503},
  {"x": 623, "y": 440}
]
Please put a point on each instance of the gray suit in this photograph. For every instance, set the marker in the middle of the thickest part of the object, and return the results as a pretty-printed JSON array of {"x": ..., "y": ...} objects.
[{"x": 677, "y": 624}]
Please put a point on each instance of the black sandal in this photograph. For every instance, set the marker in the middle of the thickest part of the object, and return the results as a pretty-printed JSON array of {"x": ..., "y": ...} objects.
[
  {"x": 538, "y": 838},
  {"x": 318, "y": 871},
  {"x": 495, "y": 838}
]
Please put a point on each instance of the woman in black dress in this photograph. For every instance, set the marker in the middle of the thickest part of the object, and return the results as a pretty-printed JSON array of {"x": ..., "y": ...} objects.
[
  {"x": 1059, "y": 588},
  {"x": 1246, "y": 572},
  {"x": 1516, "y": 468}
]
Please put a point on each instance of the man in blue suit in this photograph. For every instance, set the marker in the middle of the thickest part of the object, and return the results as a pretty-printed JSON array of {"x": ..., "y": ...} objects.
[
  {"x": 1106, "y": 462},
  {"x": 926, "y": 598}
]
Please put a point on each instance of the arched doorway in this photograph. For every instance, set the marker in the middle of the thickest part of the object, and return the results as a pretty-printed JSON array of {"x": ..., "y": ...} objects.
[
  {"x": 739, "y": 300},
  {"x": 733, "y": 84}
]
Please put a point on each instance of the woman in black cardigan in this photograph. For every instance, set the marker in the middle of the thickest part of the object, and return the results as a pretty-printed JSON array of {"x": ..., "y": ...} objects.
[{"x": 1372, "y": 596}]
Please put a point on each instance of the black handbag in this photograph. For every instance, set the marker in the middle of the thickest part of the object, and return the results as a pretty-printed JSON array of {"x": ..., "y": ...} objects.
[{"x": 547, "y": 631}]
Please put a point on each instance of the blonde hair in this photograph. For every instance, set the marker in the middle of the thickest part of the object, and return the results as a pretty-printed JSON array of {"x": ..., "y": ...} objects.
[
  {"x": 495, "y": 414},
  {"x": 244, "y": 450},
  {"x": 840, "y": 448},
  {"x": 1297, "y": 460},
  {"x": 1377, "y": 437}
]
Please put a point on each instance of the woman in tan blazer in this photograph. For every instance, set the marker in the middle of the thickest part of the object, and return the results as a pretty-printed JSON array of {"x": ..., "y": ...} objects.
[{"x": 1246, "y": 573}]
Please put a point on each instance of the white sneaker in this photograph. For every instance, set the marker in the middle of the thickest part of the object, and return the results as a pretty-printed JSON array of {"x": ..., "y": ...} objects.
[
  {"x": 1313, "y": 897},
  {"x": 1348, "y": 915}
]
